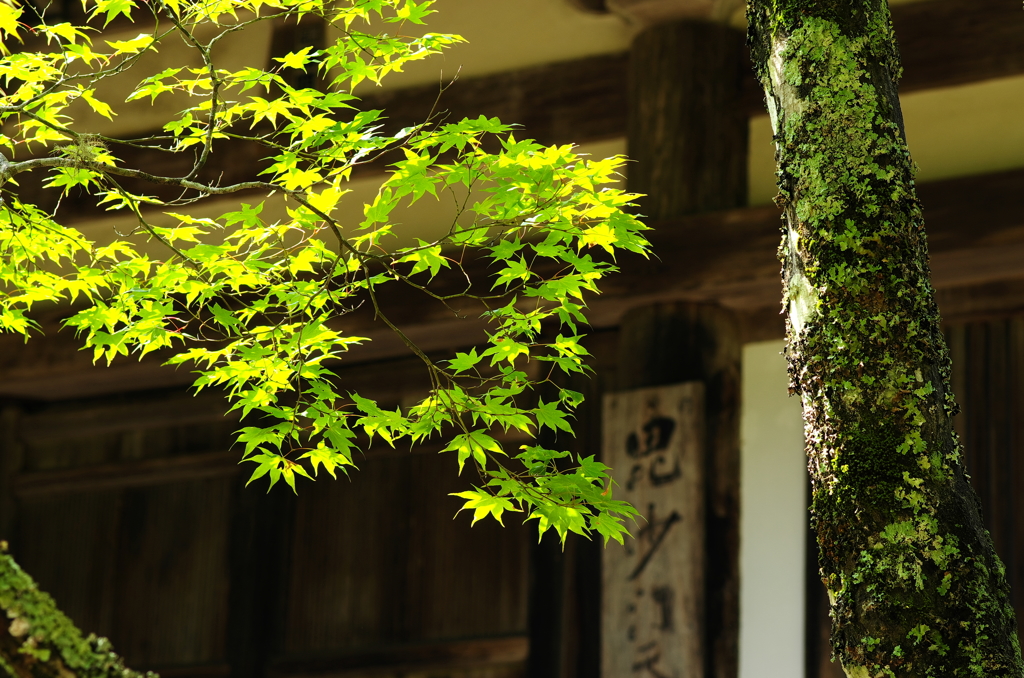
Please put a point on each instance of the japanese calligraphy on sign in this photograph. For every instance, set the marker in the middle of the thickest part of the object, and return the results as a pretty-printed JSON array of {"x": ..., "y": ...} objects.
[{"x": 652, "y": 596}]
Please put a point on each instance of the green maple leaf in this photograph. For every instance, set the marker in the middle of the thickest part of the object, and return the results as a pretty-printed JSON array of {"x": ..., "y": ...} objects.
[
  {"x": 465, "y": 361},
  {"x": 549, "y": 415},
  {"x": 328, "y": 458},
  {"x": 609, "y": 527},
  {"x": 296, "y": 59},
  {"x": 113, "y": 8},
  {"x": 485, "y": 504},
  {"x": 473, "y": 444}
]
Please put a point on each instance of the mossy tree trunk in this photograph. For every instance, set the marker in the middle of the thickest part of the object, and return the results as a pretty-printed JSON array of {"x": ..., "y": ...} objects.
[{"x": 916, "y": 587}]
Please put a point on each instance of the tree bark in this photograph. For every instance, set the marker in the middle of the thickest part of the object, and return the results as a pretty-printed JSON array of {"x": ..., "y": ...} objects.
[
  {"x": 38, "y": 641},
  {"x": 916, "y": 586}
]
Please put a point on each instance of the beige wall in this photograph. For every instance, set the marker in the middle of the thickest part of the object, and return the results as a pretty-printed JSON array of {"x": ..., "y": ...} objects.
[{"x": 773, "y": 523}]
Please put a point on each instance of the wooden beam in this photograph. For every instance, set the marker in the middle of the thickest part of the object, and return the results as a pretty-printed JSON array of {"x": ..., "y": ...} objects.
[
  {"x": 84, "y": 420},
  {"x": 564, "y": 102},
  {"x": 594, "y": 6},
  {"x": 975, "y": 228},
  {"x": 452, "y": 654},
  {"x": 943, "y": 43},
  {"x": 954, "y": 42},
  {"x": 143, "y": 473},
  {"x": 976, "y": 235},
  {"x": 165, "y": 470}
]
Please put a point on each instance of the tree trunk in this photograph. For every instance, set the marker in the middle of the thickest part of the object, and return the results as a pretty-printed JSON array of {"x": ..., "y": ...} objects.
[{"x": 915, "y": 584}]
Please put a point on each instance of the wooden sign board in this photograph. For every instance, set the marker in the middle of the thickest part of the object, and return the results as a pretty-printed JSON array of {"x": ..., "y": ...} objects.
[{"x": 653, "y": 589}]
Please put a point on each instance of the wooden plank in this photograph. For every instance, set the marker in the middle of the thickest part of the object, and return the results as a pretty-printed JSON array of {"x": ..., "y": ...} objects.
[
  {"x": 1014, "y": 529},
  {"x": 68, "y": 543},
  {"x": 988, "y": 369},
  {"x": 171, "y": 585},
  {"x": 215, "y": 670},
  {"x": 259, "y": 546},
  {"x": 550, "y": 617},
  {"x": 653, "y": 589},
  {"x": 416, "y": 574},
  {"x": 10, "y": 464},
  {"x": 143, "y": 473},
  {"x": 409, "y": 657},
  {"x": 461, "y": 580}
]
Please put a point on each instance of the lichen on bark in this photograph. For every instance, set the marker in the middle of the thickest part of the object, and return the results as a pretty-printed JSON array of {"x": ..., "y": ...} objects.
[{"x": 916, "y": 587}]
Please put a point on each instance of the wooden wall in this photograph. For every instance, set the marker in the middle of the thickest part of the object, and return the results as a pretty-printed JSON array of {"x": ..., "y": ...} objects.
[
  {"x": 128, "y": 553},
  {"x": 132, "y": 512}
]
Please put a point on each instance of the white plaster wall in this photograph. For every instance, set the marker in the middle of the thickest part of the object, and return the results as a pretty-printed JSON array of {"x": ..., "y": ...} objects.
[{"x": 773, "y": 523}]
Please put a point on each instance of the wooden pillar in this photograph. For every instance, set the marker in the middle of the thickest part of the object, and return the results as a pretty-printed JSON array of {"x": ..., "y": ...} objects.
[
  {"x": 680, "y": 342},
  {"x": 688, "y": 139},
  {"x": 687, "y": 131}
]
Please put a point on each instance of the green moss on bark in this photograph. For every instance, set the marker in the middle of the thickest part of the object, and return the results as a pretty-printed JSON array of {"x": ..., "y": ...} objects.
[
  {"x": 39, "y": 641},
  {"x": 915, "y": 584}
]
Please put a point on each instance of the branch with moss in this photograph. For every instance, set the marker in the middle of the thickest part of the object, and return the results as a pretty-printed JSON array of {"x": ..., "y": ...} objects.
[{"x": 40, "y": 641}]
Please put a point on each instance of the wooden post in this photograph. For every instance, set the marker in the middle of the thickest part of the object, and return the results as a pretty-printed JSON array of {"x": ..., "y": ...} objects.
[
  {"x": 688, "y": 138},
  {"x": 681, "y": 342},
  {"x": 687, "y": 130}
]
